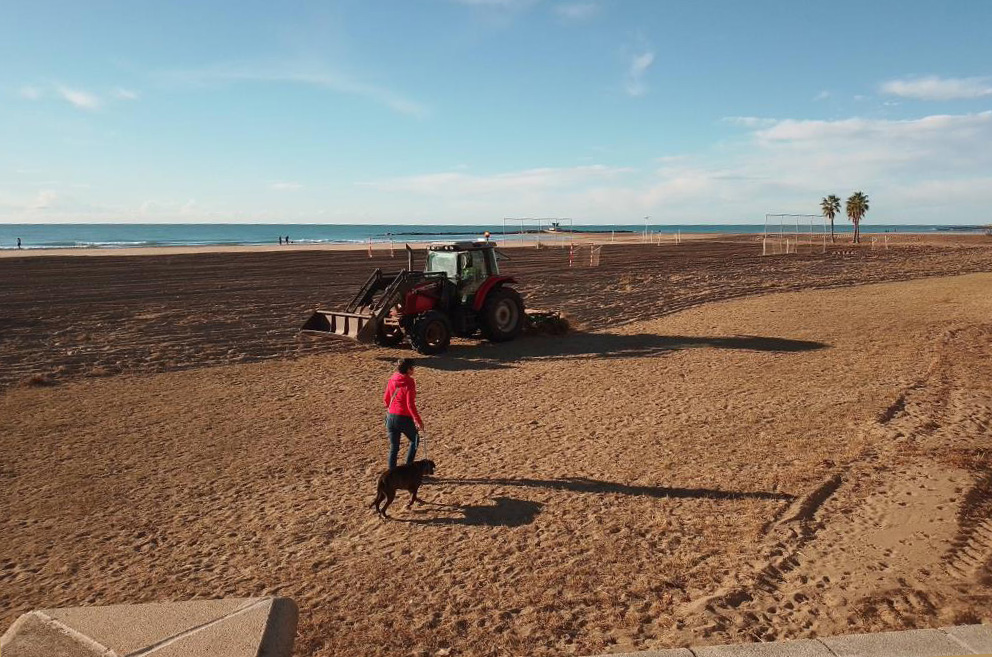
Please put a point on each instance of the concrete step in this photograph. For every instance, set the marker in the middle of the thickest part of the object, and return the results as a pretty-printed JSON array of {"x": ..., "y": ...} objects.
[{"x": 231, "y": 627}]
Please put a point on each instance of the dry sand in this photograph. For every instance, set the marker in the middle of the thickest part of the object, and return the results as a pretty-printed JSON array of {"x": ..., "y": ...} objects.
[{"x": 786, "y": 465}]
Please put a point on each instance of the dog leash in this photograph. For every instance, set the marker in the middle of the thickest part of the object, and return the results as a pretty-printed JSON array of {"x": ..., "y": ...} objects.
[{"x": 422, "y": 439}]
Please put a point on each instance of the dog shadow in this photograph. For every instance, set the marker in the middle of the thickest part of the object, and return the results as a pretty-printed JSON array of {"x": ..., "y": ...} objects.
[{"x": 506, "y": 512}]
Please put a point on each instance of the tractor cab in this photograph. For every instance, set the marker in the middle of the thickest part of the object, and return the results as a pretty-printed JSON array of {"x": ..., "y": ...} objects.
[{"x": 463, "y": 263}]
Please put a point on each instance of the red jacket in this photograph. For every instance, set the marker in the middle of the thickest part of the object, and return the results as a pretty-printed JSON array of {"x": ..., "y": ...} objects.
[{"x": 401, "y": 396}]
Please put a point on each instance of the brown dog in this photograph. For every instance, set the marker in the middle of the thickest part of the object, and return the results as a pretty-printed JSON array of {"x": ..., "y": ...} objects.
[{"x": 402, "y": 477}]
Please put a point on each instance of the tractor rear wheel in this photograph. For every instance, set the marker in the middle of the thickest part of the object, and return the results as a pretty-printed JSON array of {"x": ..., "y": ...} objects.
[
  {"x": 502, "y": 315},
  {"x": 431, "y": 333}
]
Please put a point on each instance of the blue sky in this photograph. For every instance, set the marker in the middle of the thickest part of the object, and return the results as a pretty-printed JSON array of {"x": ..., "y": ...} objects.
[{"x": 465, "y": 111}]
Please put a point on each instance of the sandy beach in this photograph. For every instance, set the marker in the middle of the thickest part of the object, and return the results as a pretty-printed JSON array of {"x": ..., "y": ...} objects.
[{"x": 729, "y": 448}]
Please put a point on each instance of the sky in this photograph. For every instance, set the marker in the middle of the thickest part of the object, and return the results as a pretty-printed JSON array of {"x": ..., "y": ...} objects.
[{"x": 468, "y": 111}]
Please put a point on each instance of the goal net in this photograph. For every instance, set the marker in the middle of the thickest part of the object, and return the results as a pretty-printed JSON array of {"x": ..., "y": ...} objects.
[
  {"x": 794, "y": 233},
  {"x": 538, "y": 231}
]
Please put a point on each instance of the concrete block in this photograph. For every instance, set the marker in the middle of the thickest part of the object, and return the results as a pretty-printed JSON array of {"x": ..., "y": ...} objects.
[
  {"x": 238, "y": 627},
  {"x": 976, "y": 637},
  {"x": 911, "y": 643},
  {"x": 33, "y": 635},
  {"x": 129, "y": 628},
  {"x": 241, "y": 633},
  {"x": 798, "y": 648}
]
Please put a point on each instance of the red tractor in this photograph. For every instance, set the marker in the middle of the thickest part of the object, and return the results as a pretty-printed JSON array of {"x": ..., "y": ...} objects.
[{"x": 460, "y": 292}]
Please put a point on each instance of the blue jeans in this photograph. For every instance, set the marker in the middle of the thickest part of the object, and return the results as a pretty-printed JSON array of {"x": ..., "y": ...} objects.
[{"x": 396, "y": 425}]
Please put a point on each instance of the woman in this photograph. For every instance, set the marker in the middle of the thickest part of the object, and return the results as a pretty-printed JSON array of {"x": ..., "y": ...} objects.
[{"x": 400, "y": 400}]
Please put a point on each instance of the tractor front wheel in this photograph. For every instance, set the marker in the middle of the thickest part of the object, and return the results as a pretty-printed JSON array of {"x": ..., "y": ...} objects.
[
  {"x": 431, "y": 333},
  {"x": 502, "y": 315},
  {"x": 388, "y": 336}
]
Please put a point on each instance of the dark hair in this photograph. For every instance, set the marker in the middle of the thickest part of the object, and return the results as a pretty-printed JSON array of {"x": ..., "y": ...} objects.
[{"x": 404, "y": 365}]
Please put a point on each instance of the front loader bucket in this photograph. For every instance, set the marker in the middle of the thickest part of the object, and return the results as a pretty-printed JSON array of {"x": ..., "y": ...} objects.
[{"x": 333, "y": 324}]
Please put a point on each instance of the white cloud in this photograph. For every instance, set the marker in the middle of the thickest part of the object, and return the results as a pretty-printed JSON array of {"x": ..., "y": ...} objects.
[
  {"x": 496, "y": 4},
  {"x": 936, "y": 88},
  {"x": 634, "y": 81},
  {"x": 577, "y": 11},
  {"x": 933, "y": 169},
  {"x": 76, "y": 97},
  {"x": 749, "y": 121},
  {"x": 515, "y": 182},
  {"x": 169, "y": 210},
  {"x": 285, "y": 186},
  {"x": 43, "y": 200},
  {"x": 823, "y": 95},
  {"x": 306, "y": 75},
  {"x": 42, "y": 204},
  {"x": 941, "y": 126},
  {"x": 929, "y": 169},
  {"x": 81, "y": 99}
]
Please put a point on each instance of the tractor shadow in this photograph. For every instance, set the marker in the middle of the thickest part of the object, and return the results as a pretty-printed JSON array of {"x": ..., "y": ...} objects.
[
  {"x": 590, "y": 346},
  {"x": 506, "y": 512},
  {"x": 585, "y": 485}
]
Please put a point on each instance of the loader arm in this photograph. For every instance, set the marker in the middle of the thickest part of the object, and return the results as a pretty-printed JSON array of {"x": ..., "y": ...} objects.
[{"x": 362, "y": 317}]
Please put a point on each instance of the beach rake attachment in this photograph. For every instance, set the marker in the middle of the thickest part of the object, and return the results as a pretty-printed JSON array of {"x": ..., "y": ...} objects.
[{"x": 549, "y": 322}]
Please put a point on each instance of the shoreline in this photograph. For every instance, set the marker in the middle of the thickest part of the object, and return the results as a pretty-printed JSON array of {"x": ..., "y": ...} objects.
[{"x": 549, "y": 240}]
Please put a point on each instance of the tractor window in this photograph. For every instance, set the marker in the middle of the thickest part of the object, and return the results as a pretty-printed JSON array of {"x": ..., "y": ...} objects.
[
  {"x": 493, "y": 257},
  {"x": 472, "y": 266},
  {"x": 443, "y": 261}
]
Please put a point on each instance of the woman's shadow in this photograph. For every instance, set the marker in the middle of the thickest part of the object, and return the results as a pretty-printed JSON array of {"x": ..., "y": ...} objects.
[{"x": 511, "y": 512}]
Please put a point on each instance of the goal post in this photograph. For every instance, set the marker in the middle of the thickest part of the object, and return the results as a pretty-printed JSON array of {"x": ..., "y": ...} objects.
[
  {"x": 792, "y": 233},
  {"x": 554, "y": 231}
]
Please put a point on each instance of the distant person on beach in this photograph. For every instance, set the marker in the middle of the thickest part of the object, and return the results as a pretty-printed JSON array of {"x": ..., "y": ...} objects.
[
  {"x": 402, "y": 417},
  {"x": 280, "y": 240},
  {"x": 287, "y": 239},
  {"x": 18, "y": 242}
]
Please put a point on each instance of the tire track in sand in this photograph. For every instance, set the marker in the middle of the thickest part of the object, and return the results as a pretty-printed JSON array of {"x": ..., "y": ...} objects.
[{"x": 883, "y": 542}]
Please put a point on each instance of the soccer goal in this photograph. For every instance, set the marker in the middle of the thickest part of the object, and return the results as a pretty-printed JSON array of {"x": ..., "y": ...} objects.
[
  {"x": 594, "y": 255},
  {"x": 794, "y": 233},
  {"x": 540, "y": 231}
]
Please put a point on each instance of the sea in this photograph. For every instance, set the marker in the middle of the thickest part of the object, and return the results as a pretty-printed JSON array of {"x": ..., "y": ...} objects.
[{"x": 126, "y": 235}]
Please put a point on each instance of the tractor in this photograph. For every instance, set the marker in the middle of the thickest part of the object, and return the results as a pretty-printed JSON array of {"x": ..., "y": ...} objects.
[{"x": 460, "y": 292}]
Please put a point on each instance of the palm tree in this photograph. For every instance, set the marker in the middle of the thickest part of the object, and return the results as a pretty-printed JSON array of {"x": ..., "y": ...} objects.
[
  {"x": 830, "y": 206},
  {"x": 857, "y": 207}
]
